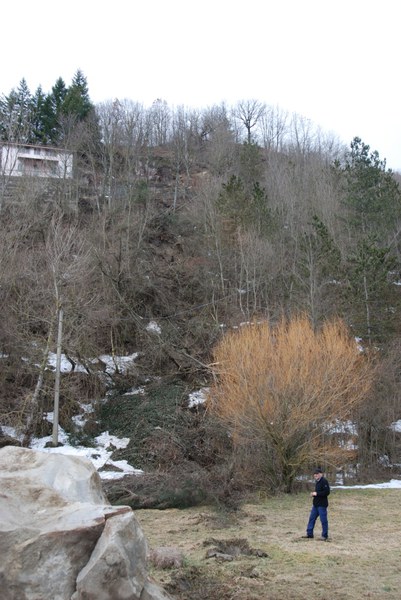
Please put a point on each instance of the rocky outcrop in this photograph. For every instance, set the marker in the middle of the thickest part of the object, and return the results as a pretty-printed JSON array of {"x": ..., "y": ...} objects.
[{"x": 59, "y": 537}]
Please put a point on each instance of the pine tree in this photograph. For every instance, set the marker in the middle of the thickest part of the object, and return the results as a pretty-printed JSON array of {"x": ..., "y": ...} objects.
[
  {"x": 245, "y": 208},
  {"x": 371, "y": 295},
  {"x": 7, "y": 113},
  {"x": 24, "y": 108},
  {"x": 77, "y": 102},
  {"x": 58, "y": 94},
  {"x": 38, "y": 134},
  {"x": 372, "y": 195},
  {"x": 373, "y": 200},
  {"x": 52, "y": 111},
  {"x": 16, "y": 115}
]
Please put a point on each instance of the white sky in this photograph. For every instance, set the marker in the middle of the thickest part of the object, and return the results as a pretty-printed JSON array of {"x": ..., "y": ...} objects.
[{"x": 336, "y": 63}]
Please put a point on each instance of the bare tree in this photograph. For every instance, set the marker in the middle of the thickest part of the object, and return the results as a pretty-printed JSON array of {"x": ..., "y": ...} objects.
[
  {"x": 256, "y": 269},
  {"x": 160, "y": 119},
  {"x": 181, "y": 146},
  {"x": 8, "y": 163},
  {"x": 218, "y": 139},
  {"x": 303, "y": 134},
  {"x": 67, "y": 260},
  {"x": 136, "y": 137},
  {"x": 110, "y": 123},
  {"x": 249, "y": 113},
  {"x": 274, "y": 126},
  {"x": 126, "y": 131}
]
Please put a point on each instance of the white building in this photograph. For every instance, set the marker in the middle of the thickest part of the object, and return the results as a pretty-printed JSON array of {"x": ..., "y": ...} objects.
[{"x": 18, "y": 160}]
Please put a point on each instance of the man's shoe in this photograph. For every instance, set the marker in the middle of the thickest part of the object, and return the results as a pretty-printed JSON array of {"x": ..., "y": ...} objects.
[
  {"x": 307, "y": 537},
  {"x": 323, "y": 539}
]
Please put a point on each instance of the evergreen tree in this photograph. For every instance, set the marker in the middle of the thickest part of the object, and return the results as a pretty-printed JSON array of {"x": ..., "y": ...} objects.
[
  {"x": 57, "y": 96},
  {"x": 49, "y": 128},
  {"x": 77, "y": 102},
  {"x": 373, "y": 200},
  {"x": 16, "y": 115},
  {"x": 245, "y": 208},
  {"x": 370, "y": 293},
  {"x": 52, "y": 111},
  {"x": 38, "y": 134},
  {"x": 24, "y": 110},
  {"x": 250, "y": 164},
  {"x": 7, "y": 114},
  {"x": 372, "y": 194}
]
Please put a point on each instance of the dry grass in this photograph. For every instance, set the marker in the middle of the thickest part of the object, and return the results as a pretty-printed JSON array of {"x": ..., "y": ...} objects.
[{"x": 361, "y": 561}]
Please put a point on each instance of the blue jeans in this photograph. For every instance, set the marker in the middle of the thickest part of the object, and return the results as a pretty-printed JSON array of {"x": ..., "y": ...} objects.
[{"x": 318, "y": 511}]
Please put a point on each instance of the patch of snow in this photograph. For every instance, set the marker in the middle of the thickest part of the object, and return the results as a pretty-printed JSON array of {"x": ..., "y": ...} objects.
[
  {"x": 125, "y": 469},
  {"x": 392, "y": 484},
  {"x": 344, "y": 427},
  {"x": 65, "y": 364},
  {"x": 80, "y": 420},
  {"x": 10, "y": 431},
  {"x": 154, "y": 327},
  {"x": 106, "y": 440},
  {"x": 135, "y": 391},
  {"x": 198, "y": 397},
  {"x": 100, "y": 456},
  {"x": 112, "y": 363}
]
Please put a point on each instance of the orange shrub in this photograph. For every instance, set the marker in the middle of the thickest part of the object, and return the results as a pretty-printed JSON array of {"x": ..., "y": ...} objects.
[{"x": 280, "y": 388}]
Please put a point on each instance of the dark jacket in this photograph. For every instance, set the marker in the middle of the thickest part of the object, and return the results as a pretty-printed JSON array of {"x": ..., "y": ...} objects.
[{"x": 322, "y": 490}]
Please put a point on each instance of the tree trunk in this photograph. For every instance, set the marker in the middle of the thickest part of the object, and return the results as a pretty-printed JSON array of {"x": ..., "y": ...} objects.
[
  {"x": 57, "y": 381},
  {"x": 34, "y": 401}
]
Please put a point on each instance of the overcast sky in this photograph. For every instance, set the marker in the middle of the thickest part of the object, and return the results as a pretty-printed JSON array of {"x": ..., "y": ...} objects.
[{"x": 336, "y": 63}]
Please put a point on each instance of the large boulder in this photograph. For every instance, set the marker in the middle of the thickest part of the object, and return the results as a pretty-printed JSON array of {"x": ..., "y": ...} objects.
[{"x": 59, "y": 537}]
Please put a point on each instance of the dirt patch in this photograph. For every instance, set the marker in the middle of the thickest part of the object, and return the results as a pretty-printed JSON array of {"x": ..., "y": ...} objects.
[
  {"x": 196, "y": 584},
  {"x": 233, "y": 547}
]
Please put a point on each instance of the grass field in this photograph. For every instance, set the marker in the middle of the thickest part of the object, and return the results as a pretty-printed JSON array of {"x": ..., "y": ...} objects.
[{"x": 362, "y": 560}]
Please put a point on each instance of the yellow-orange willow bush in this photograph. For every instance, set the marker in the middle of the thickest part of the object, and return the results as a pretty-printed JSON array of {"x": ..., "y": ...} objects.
[{"x": 279, "y": 390}]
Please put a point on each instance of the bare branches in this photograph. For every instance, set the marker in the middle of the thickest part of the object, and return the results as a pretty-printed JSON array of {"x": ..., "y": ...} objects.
[{"x": 249, "y": 112}]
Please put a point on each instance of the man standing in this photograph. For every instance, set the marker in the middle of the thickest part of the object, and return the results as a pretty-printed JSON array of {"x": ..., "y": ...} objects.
[{"x": 320, "y": 504}]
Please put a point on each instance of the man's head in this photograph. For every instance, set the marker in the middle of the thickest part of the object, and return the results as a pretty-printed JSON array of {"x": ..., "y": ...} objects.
[{"x": 317, "y": 474}]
